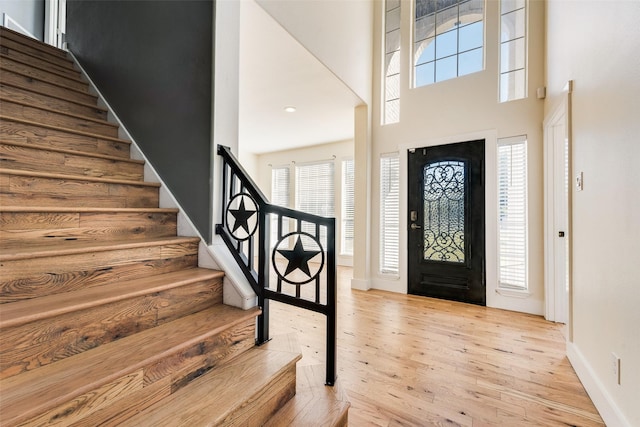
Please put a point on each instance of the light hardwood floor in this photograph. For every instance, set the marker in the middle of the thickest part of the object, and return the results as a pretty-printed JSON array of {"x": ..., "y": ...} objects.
[{"x": 414, "y": 361}]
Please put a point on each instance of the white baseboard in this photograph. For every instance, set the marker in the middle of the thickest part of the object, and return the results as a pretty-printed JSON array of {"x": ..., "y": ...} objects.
[
  {"x": 361, "y": 284},
  {"x": 602, "y": 400}
]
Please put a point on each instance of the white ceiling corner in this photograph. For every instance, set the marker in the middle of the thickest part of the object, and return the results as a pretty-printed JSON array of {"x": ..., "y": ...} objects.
[{"x": 276, "y": 71}]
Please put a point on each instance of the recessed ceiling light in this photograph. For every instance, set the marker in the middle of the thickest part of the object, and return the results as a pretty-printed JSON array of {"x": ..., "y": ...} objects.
[{"x": 290, "y": 109}]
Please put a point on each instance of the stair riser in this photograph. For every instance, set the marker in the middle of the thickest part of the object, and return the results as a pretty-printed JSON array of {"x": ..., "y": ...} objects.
[
  {"x": 60, "y": 60},
  {"x": 16, "y": 190},
  {"x": 28, "y": 41},
  {"x": 38, "y": 100},
  {"x": 18, "y": 228},
  {"x": 34, "y": 159},
  {"x": 124, "y": 395},
  {"x": 26, "y": 133},
  {"x": 41, "y": 86},
  {"x": 30, "y": 278},
  {"x": 65, "y": 69},
  {"x": 52, "y": 118},
  {"x": 46, "y": 341},
  {"x": 8, "y": 64}
]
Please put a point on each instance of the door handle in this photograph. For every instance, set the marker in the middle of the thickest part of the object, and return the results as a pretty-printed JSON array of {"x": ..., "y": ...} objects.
[
  {"x": 560, "y": 233},
  {"x": 415, "y": 226}
]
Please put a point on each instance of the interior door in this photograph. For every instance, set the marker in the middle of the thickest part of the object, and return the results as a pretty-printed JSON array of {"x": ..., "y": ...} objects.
[{"x": 446, "y": 224}]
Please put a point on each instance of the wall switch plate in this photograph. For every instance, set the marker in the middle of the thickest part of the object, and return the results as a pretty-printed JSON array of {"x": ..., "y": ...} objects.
[
  {"x": 615, "y": 367},
  {"x": 579, "y": 182}
]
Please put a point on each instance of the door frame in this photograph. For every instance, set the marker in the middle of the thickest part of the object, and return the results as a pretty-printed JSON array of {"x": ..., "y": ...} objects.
[
  {"x": 491, "y": 201},
  {"x": 554, "y": 292},
  {"x": 55, "y": 22}
]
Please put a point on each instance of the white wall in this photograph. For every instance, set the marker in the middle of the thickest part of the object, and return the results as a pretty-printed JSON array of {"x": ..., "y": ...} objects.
[
  {"x": 342, "y": 150},
  {"x": 338, "y": 33},
  {"x": 27, "y": 13},
  {"x": 457, "y": 110},
  {"x": 605, "y": 67}
]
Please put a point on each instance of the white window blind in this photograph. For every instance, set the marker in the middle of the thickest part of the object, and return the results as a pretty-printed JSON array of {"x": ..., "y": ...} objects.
[
  {"x": 279, "y": 196},
  {"x": 315, "y": 193},
  {"x": 389, "y": 213},
  {"x": 512, "y": 213},
  {"x": 348, "y": 213}
]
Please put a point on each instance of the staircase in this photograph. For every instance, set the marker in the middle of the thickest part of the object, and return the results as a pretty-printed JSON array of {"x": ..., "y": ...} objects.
[{"x": 105, "y": 317}]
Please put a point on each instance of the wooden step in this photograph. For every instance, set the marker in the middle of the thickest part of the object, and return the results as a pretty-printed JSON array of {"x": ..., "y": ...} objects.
[
  {"x": 314, "y": 405},
  {"x": 42, "y": 159},
  {"x": 46, "y": 115},
  {"x": 34, "y": 271},
  {"x": 27, "y": 131},
  {"x": 248, "y": 391},
  {"x": 51, "y": 328},
  {"x": 62, "y": 105},
  {"x": 169, "y": 356},
  {"x": 10, "y": 64},
  {"x": 24, "y": 188},
  {"x": 21, "y": 226},
  {"x": 7, "y": 33},
  {"x": 41, "y": 50},
  {"x": 46, "y": 87},
  {"x": 64, "y": 69}
]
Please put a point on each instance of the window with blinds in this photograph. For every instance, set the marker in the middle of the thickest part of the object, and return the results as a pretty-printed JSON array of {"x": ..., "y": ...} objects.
[
  {"x": 512, "y": 213},
  {"x": 389, "y": 213},
  {"x": 280, "y": 183},
  {"x": 315, "y": 193},
  {"x": 347, "y": 231}
]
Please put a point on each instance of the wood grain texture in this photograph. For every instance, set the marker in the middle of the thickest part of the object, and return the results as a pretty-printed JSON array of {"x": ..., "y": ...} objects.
[
  {"x": 248, "y": 390},
  {"x": 18, "y": 228},
  {"x": 38, "y": 343},
  {"x": 36, "y": 159},
  {"x": 412, "y": 361},
  {"x": 38, "y": 189},
  {"x": 46, "y": 87},
  {"x": 11, "y": 42},
  {"x": 16, "y": 93},
  {"x": 28, "y": 132},
  {"x": 39, "y": 62},
  {"x": 9, "y": 34},
  {"x": 45, "y": 115},
  {"x": 13, "y": 64},
  {"x": 35, "y": 392},
  {"x": 23, "y": 278}
]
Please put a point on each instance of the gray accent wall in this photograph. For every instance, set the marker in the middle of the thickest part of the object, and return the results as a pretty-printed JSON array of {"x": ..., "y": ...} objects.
[{"x": 153, "y": 62}]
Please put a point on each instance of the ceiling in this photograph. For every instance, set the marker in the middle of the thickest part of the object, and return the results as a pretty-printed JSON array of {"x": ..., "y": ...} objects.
[{"x": 276, "y": 72}]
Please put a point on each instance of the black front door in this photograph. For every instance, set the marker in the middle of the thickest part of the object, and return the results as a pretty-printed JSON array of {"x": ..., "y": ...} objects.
[{"x": 446, "y": 233}]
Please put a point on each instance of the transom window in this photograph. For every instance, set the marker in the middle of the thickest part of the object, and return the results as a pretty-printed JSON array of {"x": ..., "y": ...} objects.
[{"x": 448, "y": 39}]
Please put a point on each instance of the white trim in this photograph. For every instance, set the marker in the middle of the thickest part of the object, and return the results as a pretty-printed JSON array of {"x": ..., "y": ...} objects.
[
  {"x": 9, "y": 22},
  {"x": 604, "y": 403},
  {"x": 361, "y": 284},
  {"x": 236, "y": 290}
]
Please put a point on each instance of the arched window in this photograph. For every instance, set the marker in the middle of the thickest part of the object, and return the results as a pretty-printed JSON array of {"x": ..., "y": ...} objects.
[{"x": 448, "y": 39}]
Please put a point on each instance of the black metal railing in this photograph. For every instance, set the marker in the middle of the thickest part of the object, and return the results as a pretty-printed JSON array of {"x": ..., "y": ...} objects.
[{"x": 295, "y": 252}]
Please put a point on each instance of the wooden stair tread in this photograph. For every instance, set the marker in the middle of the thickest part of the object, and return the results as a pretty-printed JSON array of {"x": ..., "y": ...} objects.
[
  {"x": 84, "y": 91},
  {"x": 40, "y": 92},
  {"x": 36, "y": 44},
  {"x": 71, "y": 152},
  {"x": 71, "y": 75},
  {"x": 63, "y": 113},
  {"x": 63, "y": 129},
  {"x": 21, "y": 312},
  {"x": 78, "y": 178},
  {"x": 243, "y": 380},
  {"x": 84, "y": 209},
  {"x": 79, "y": 247},
  {"x": 38, "y": 390},
  {"x": 314, "y": 404}
]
